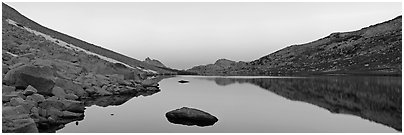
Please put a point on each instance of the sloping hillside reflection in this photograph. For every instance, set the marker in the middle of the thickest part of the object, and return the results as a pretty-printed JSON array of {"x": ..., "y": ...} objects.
[{"x": 374, "y": 98}]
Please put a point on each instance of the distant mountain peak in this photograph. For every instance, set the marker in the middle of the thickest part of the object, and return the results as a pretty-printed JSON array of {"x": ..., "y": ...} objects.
[
  {"x": 224, "y": 62},
  {"x": 147, "y": 59},
  {"x": 154, "y": 62}
]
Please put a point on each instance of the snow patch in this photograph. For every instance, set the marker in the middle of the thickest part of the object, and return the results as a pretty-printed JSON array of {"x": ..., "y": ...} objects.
[
  {"x": 147, "y": 70},
  {"x": 12, "y": 54},
  {"x": 151, "y": 77},
  {"x": 72, "y": 47}
]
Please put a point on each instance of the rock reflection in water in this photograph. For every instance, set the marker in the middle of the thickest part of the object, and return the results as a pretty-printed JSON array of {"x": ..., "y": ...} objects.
[
  {"x": 102, "y": 101},
  {"x": 52, "y": 127},
  {"x": 374, "y": 98},
  {"x": 116, "y": 100}
]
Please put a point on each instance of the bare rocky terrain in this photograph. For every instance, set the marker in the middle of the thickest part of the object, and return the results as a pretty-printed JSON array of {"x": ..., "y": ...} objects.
[
  {"x": 372, "y": 50},
  {"x": 48, "y": 80}
]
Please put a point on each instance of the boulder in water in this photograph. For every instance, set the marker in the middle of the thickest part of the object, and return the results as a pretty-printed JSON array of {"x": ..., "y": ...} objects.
[
  {"x": 190, "y": 117},
  {"x": 183, "y": 81}
]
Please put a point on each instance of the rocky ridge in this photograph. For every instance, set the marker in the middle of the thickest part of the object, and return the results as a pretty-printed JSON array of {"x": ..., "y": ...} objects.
[
  {"x": 372, "y": 50},
  {"x": 10, "y": 13},
  {"x": 220, "y": 67}
]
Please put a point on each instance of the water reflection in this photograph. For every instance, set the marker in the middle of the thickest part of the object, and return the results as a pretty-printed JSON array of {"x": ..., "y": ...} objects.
[
  {"x": 374, "y": 98},
  {"x": 103, "y": 101},
  {"x": 116, "y": 100}
]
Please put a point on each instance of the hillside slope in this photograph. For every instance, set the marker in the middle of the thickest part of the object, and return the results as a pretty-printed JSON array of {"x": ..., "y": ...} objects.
[
  {"x": 220, "y": 67},
  {"x": 372, "y": 50},
  {"x": 12, "y": 14},
  {"x": 47, "y": 82}
]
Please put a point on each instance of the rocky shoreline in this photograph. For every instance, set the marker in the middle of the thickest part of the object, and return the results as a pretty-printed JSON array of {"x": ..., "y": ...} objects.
[
  {"x": 44, "y": 107},
  {"x": 35, "y": 100}
]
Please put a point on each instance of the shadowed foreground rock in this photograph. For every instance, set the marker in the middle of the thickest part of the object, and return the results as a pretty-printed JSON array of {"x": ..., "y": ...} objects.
[
  {"x": 36, "y": 76},
  {"x": 189, "y": 116}
]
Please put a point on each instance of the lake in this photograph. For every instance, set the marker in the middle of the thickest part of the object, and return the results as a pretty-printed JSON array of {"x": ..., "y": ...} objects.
[{"x": 255, "y": 104}]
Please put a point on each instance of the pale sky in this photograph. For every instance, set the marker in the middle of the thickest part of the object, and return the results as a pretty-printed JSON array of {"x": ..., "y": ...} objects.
[{"x": 183, "y": 35}]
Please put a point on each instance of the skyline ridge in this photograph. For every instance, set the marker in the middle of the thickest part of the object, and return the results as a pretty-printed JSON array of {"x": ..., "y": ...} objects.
[{"x": 169, "y": 44}]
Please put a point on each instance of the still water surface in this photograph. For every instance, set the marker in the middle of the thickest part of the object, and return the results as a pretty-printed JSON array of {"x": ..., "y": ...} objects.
[{"x": 258, "y": 104}]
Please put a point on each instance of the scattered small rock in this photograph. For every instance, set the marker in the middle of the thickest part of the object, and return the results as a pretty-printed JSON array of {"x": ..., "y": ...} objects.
[
  {"x": 68, "y": 114},
  {"x": 59, "y": 92},
  {"x": 8, "y": 89},
  {"x": 36, "y": 98},
  {"x": 29, "y": 90}
]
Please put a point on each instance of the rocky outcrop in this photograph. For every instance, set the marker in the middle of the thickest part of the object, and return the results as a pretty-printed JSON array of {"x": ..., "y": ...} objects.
[
  {"x": 41, "y": 78},
  {"x": 21, "y": 113},
  {"x": 190, "y": 116},
  {"x": 154, "y": 62},
  {"x": 372, "y": 50}
]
